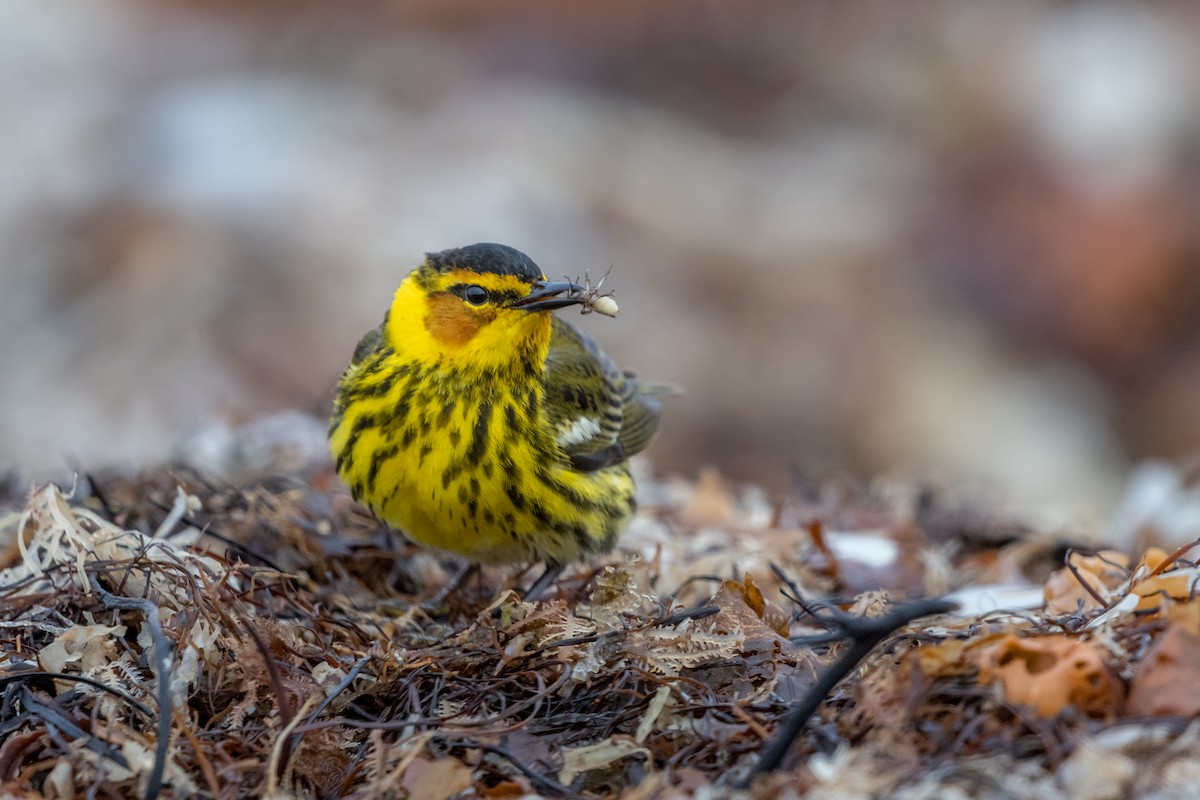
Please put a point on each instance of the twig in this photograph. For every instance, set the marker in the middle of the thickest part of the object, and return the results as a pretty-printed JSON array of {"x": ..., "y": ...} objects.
[
  {"x": 692, "y": 613},
  {"x": 95, "y": 684},
  {"x": 281, "y": 695},
  {"x": 206, "y": 767},
  {"x": 341, "y": 687},
  {"x": 53, "y": 717},
  {"x": 797, "y": 597},
  {"x": 281, "y": 754},
  {"x": 205, "y": 529},
  {"x": 543, "y": 783},
  {"x": 1086, "y": 586},
  {"x": 864, "y": 633},
  {"x": 1107, "y": 605},
  {"x": 162, "y": 668},
  {"x": 1171, "y": 559},
  {"x": 690, "y": 581},
  {"x": 298, "y": 731},
  {"x": 100, "y": 495}
]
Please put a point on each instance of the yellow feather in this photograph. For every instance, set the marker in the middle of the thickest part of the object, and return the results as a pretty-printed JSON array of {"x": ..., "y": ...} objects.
[{"x": 441, "y": 427}]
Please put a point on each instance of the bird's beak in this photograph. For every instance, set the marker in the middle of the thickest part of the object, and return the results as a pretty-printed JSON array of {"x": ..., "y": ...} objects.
[{"x": 544, "y": 296}]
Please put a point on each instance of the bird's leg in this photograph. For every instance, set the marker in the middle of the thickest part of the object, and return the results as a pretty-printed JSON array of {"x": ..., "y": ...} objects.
[
  {"x": 451, "y": 586},
  {"x": 543, "y": 582}
]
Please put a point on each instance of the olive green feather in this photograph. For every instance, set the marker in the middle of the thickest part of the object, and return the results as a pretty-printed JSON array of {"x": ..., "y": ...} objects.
[{"x": 601, "y": 414}]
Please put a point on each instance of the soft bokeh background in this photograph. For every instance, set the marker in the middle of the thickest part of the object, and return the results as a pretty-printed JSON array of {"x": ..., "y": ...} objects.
[{"x": 948, "y": 239}]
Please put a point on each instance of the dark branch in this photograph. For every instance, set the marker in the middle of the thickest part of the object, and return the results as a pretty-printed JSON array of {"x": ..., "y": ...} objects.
[
  {"x": 162, "y": 670},
  {"x": 865, "y": 634}
]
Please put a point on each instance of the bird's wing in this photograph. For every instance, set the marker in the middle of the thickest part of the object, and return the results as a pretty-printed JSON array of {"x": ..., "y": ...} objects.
[
  {"x": 370, "y": 342},
  {"x": 600, "y": 415}
]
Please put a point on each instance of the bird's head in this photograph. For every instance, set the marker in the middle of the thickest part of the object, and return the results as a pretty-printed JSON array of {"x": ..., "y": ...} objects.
[{"x": 483, "y": 305}]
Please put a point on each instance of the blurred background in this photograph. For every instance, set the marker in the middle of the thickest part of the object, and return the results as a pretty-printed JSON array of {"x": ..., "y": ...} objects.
[{"x": 943, "y": 239}]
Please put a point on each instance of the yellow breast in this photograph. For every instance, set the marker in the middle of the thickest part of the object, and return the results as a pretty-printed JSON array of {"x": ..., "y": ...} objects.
[{"x": 470, "y": 467}]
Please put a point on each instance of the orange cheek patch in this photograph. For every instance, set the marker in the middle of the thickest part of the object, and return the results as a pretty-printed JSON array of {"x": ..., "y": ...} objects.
[{"x": 451, "y": 323}]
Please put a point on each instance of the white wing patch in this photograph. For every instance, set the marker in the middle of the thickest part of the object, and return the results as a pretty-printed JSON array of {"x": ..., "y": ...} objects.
[{"x": 583, "y": 429}]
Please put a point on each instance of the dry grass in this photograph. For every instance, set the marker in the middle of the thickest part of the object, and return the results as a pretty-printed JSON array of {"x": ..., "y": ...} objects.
[{"x": 299, "y": 660}]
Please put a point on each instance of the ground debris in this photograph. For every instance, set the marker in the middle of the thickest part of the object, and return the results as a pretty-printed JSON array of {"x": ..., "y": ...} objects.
[{"x": 299, "y": 661}]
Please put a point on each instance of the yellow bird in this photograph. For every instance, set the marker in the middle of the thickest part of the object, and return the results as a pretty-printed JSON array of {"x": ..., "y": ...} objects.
[{"x": 477, "y": 422}]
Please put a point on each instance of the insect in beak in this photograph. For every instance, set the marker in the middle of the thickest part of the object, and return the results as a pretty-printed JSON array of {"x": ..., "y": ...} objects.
[{"x": 544, "y": 296}]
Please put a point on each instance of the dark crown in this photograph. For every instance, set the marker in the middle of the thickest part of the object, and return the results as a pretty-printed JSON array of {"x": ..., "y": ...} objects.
[{"x": 498, "y": 259}]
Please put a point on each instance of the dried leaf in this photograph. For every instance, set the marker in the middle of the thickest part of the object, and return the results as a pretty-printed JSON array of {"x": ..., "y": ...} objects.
[
  {"x": 653, "y": 709},
  {"x": 60, "y": 783},
  {"x": 1180, "y": 584},
  {"x": 88, "y": 647},
  {"x": 1094, "y": 772},
  {"x": 952, "y": 657},
  {"x": 578, "y": 760},
  {"x": 667, "y": 651},
  {"x": 1103, "y": 572},
  {"x": 744, "y": 608},
  {"x": 1050, "y": 673},
  {"x": 616, "y": 593},
  {"x": 1167, "y": 682},
  {"x": 512, "y": 680},
  {"x": 436, "y": 780}
]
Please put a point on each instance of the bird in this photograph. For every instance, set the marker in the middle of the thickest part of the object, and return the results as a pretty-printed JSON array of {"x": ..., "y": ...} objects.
[{"x": 477, "y": 422}]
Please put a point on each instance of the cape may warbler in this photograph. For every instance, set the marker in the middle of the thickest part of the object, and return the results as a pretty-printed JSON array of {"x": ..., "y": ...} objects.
[{"x": 475, "y": 421}]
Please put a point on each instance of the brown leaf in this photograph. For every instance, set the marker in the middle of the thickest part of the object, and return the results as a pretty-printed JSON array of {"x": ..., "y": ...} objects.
[
  {"x": 436, "y": 780},
  {"x": 744, "y": 608},
  {"x": 1103, "y": 572},
  {"x": 1178, "y": 585},
  {"x": 952, "y": 656},
  {"x": 324, "y": 762},
  {"x": 577, "y": 760},
  {"x": 1050, "y": 673},
  {"x": 1167, "y": 682}
]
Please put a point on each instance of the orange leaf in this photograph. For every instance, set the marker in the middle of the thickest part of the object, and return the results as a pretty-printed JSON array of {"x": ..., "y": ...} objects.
[
  {"x": 1050, "y": 673},
  {"x": 1177, "y": 585},
  {"x": 952, "y": 656}
]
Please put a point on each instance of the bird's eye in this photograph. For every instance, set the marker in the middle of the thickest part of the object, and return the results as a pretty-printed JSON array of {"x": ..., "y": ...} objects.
[{"x": 475, "y": 295}]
